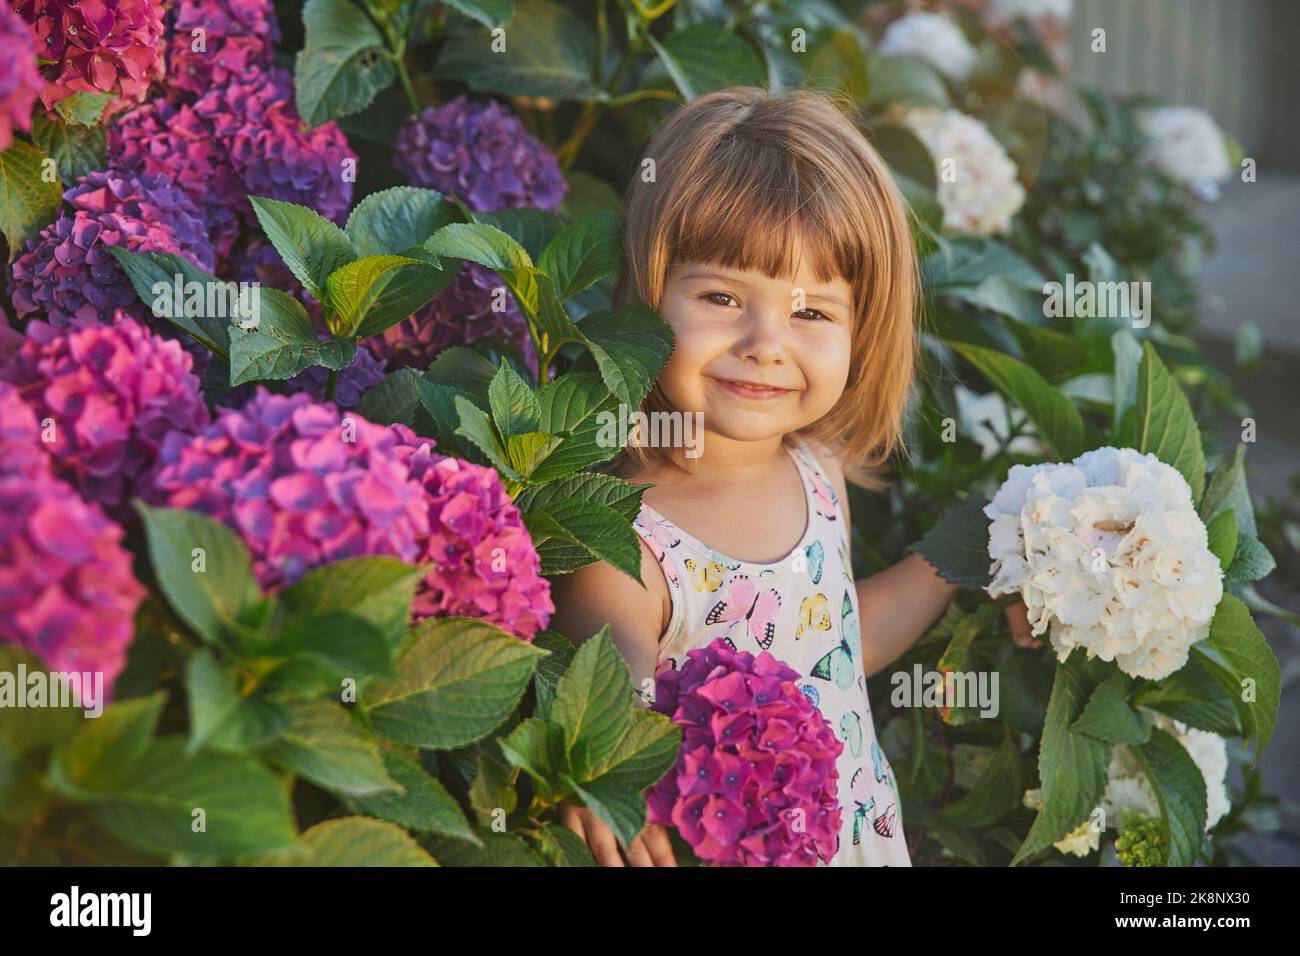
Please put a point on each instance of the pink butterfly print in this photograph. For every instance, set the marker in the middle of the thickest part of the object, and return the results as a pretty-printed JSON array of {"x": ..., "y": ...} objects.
[
  {"x": 824, "y": 496},
  {"x": 661, "y": 538},
  {"x": 885, "y": 823},
  {"x": 745, "y": 603}
]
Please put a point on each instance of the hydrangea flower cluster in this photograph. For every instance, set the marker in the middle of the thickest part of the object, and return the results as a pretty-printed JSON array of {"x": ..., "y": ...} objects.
[
  {"x": 1001, "y": 11},
  {"x": 364, "y": 371},
  {"x": 480, "y": 153},
  {"x": 237, "y": 35},
  {"x": 67, "y": 591},
  {"x": 984, "y": 195},
  {"x": 934, "y": 38},
  {"x": 111, "y": 394},
  {"x": 19, "y": 80},
  {"x": 755, "y": 783},
  {"x": 109, "y": 46},
  {"x": 1129, "y": 792},
  {"x": 1142, "y": 842},
  {"x": 68, "y": 272},
  {"x": 485, "y": 565},
  {"x": 305, "y": 485},
  {"x": 1109, "y": 553},
  {"x": 1188, "y": 146},
  {"x": 461, "y": 314}
]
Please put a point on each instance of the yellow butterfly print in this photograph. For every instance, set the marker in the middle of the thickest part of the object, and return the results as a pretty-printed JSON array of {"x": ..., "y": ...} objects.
[
  {"x": 705, "y": 577},
  {"x": 814, "y": 615}
]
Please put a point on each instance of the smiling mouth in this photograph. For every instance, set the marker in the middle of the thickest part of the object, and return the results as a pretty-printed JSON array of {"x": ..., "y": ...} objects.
[{"x": 752, "y": 389}]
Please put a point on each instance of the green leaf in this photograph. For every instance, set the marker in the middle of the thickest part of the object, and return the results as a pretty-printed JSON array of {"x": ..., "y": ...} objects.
[
  {"x": 463, "y": 369},
  {"x": 153, "y": 276},
  {"x": 901, "y": 79},
  {"x": 1222, "y": 532},
  {"x": 629, "y": 346},
  {"x": 311, "y": 246},
  {"x": 998, "y": 790},
  {"x": 396, "y": 219},
  {"x": 324, "y": 744},
  {"x": 536, "y": 747},
  {"x": 490, "y": 13},
  {"x": 584, "y": 253},
  {"x": 352, "y": 289},
  {"x": 245, "y": 809},
  {"x": 458, "y": 679},
  {"x": 354, "y": 841},
  {"x": 202, "y": 567},
  {"x": 377, "y": 589},
  {"x": 221, "y": 716},
  {"x": 600, "y": 530},
  {"x": 481, "y": 243},
  {"x": 498, "y": 850},
  {"x": 593, "y": 701},
  {"x": 344, "y": 61},
  {"x": 1071, "y": 766},
  {"x": 965, "y": 263},
  {"x": 559, "y": 556},
  {"x": 526, "y": 452},
  {"x": 1241, "y": 660},
  {"x": 393, "y": 398},
  {"x": 515, "y": 409},
  {"x": 1227, "y": 489},
  {"x": 284, "y": 343},
  {"x": 620, "y": 809},
  {"x": 1128, "y": 355},
  {"x": 76, "y": 150},
  {"x": 344, "y": 642},
  {"x": 1180, "y": 789},
  {"x": 1165, "y": 422},
  {"x": 1109, "y": 717},
  {"x": 1057, "y": 420},
  {"x": 1250, "y": 560},
  {"x": 644, "y": 753},
  {"x": 704, "y": 58},
  {"x": 477, "y": 428},
  {"x": 957, "y": 546},
  {"x": 83, "y": 108},
  {"x": 581, "y": 407},
  {"x": 28, "y": 202},
  {"x": 551, "y": 668},
  {"x": 423, "y": 805},
  {"x": 1192, "y": 695},
  {"x": 533, "y": 229},
  {"x": 562, "y": 847},
  {"x": 549, "y": 52},
  {"x": 106, "y": 750}
]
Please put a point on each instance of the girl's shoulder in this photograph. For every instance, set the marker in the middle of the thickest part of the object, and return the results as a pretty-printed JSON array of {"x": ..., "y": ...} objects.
[{"x": 829, "y": 461}]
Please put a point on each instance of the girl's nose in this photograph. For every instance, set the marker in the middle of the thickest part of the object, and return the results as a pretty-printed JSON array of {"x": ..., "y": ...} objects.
[{"x": 764, "y": 337}]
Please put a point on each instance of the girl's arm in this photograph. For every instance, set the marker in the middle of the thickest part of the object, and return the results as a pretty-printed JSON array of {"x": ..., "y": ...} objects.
[{"x": 896, "y": 607}]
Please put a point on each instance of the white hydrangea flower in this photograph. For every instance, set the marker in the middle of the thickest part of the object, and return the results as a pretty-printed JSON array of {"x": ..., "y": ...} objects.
[
  {"x": 1188, "y": 145},
  {"x": 1000, "y": 11},
  {"x": 978, "y": 190},
  {"x": 931, "y": 37},
  {"x": 1127, "y": 787},
  {"x": 1082, "y": 840},
  {"x": 1108, "y": 554}
]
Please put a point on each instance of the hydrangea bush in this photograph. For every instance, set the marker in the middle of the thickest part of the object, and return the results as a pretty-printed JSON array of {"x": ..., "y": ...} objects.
[{"x": 300, "y": 408}]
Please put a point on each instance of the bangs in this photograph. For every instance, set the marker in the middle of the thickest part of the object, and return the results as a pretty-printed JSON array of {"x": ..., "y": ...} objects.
[{"x": 747, "y": 208}]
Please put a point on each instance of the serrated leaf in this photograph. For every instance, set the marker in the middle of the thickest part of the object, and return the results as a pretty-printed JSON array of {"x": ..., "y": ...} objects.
[
  {"x": 1240, "y": 653},
  {"x": 221, "y": 716},
  {"x": 1109, "y": 717},
  {"x": 1165, "y": 424},
  {"x": 344, "y": 61},
  {"x": 325, "y": 745},
  {"x": 515, "y": 409},
  {"x": 1227, "y": 489},
  {"x": 354, "y": 841},
  {"x": 108, "y": 749},
  {"x": 957, "y": 546},
  {"x": 395, "y": 219},
  {"x": 423, "y": 804},
  {"x": 311, "y": 246},
  {"x": 283, "y": 343},
  {"x": 476, "y": 427},
  {"x": 629, "y": 346},
  {"x": 1180, "y": 790},
  {"x": 150, "y": 270},
  {"x": 593, "y": 701},
  {"x": 345, "y": 642},
  {"x": 1192, "y": 695},
  {"x": 704, "y": 58},
  {"x": 29, "y": 201},
  {"x": 1222, "y": 534},
  {"x": 998, "y": 790},
  {"x": 1250, "y": 559},
  {"x": 352, "y": 289},
  {"x": 377, "y": 589},
  {"x": 76, "y": 150}
]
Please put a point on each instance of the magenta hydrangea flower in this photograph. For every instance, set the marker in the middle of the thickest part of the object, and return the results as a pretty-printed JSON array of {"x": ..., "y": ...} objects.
[
  {"x": 237, "y": 35},
  {"x": 306, "y": 485},
  {"x": 19, "y": 80},
  {"x": 101, "y": 46},
  {"x": 67, "y": 591},
  {"x": 460, "y": 314},
  {"x": 272, "y": 151},
  {"x": 755, "y": 783},
  {"x": 20, "y": 447},
  {"x": 111, "y": 394},
  {"x": 68, "y": 272},
  {"x": 173, "y": 140},
  {"x": 479, "y": 152},
  {"x": 485, "y": 565}
]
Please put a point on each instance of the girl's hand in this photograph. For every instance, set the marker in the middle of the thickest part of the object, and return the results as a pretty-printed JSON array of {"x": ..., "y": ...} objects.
[
  {"x": 1021, "y": 631},
  {"x": 651, "y": 846}
]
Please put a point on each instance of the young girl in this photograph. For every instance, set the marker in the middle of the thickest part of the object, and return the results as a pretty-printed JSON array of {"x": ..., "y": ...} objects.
[{"x": 769, "y": 235}]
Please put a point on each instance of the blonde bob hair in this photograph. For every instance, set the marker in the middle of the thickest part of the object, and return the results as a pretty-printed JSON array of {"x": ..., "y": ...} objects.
[{"x": 737, "y": 176}]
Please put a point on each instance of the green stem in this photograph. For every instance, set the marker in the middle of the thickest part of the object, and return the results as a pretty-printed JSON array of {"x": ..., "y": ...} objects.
[
  {"x": 399, "y": 60},
  {"x": 329, "y": 386}
]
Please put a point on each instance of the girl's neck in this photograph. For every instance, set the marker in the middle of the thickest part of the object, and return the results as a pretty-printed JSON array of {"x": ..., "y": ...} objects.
[{"x": 727, "y": 461}]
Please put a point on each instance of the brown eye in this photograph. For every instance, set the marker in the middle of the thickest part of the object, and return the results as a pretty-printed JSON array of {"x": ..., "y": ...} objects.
[
  {"x": 814, "y": 314},
  {"x": 710, "y": 296}
]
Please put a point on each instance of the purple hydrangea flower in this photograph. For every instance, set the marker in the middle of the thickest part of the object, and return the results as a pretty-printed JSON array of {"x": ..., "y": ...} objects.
[
  {"x": 481, "y": 153},
  {"x": 237, "y": 35},
  {"x": 101, "y": 46},
  {"x": 272, "y": 151},
  {"x": 111, "y": 392},
  {"x": 461, "y": 314},
  {"x": 19, "y": 80},
  {"x": 68, "y": 272},
  {"x": 20, "y": 447},
  {"x": 755, "y": 783},
  {"x": 364, "y": 371}
]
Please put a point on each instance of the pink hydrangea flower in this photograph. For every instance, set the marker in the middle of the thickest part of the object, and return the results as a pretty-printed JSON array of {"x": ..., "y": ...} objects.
[
  {"x": 67, "y": 591},
  {"x": 67, "y": 271},
  {"x": 755, "y": 783},
  {"x": 307, "y": 485},
  {"x": 237, "y": 35},
  {"x": 111, "y": 394},
  {"x": 485, "y": 565},
  {"x": 19, "y": 80},
  {"x": 101, "y": 46}
]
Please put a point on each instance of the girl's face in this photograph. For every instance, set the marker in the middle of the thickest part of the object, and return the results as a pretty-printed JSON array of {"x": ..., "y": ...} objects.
[{"x": 755, "y": 356}]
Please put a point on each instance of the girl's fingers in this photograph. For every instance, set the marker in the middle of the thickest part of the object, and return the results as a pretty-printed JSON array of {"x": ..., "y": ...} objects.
[
  {"x": 637, "y": 854},
  {"x": 660, "y": 847},
  {"x": 1021, "y": 632},
  {"x": 604, "y": 846}
]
